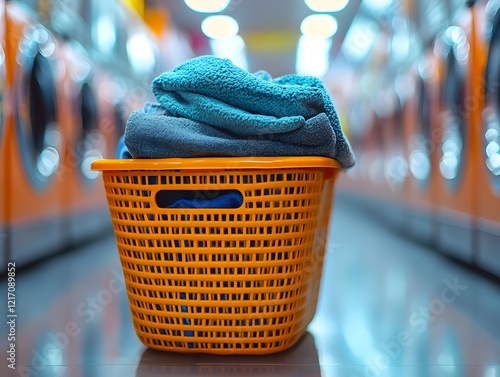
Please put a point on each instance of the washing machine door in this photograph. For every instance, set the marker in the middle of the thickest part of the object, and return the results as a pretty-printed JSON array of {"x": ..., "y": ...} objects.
[
  {"x": 396, "y": 166},
  {"x": 419, "y": 160},
  {"x": 491, "y": 113},
  {"x": 452, "y": 147},
  {"x": 35, "y": 101},
  {"x": 91, "y": 143}
]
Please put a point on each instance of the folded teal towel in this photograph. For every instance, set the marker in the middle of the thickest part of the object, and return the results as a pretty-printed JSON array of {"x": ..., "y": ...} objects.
[{"x": 213, "y": 91}]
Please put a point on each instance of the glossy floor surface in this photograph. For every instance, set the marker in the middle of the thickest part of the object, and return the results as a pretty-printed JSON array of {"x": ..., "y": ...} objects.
[{"x": 388, "y": 307}]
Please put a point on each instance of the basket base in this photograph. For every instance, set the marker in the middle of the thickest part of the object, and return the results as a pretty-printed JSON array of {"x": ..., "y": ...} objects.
[{"x": 220, "y": 348}]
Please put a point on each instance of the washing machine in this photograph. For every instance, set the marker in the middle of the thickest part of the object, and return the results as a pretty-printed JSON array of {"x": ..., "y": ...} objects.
[
  {"x": 126, "y": 63},
  {"x": 390, "y": 107},
  {"x": 421, "y": 121},
  {"x": 457, "y": 142},
  {"x": 373, "y": 158},
  {"x": 142, "y": 53},
  {"x": 355, "y": 180},
  {"x": 33, "y": 137},
  {"x": 103, "y": 89},
  {"x": 3, "y": 194},
  {"x": 359, "y": 117},
  {"x": 83, "y": 205},
  {"x": 88, "y": 139},
  {"x": 487, "y": 79}
]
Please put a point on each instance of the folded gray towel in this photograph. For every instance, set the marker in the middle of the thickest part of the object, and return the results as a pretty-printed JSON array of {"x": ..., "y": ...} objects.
[{"x": 153, "y": 133}]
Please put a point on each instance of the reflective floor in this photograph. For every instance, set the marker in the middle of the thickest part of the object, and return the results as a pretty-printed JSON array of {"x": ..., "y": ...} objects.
[{"x": 388, "y": 307}]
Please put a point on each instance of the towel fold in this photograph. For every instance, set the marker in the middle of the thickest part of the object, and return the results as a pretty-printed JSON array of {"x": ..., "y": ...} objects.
[
  {"x": 211, "y": 91},
  {"x": 151, "y": 133}
]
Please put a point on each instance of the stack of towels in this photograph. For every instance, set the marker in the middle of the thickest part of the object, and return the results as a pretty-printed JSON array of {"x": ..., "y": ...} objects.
[{"x": 208, "y": 107}]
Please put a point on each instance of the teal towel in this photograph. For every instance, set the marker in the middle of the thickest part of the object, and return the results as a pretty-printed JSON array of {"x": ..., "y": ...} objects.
[{"x": 213, "y": 91}]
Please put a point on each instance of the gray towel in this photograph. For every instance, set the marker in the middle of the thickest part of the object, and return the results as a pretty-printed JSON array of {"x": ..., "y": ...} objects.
[{"x": 153, "y": 133}]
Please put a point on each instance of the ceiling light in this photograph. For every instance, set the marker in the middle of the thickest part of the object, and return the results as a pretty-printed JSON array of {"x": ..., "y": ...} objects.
[
  {"x": 319, "y": 26},
  {"x": 207, "y": 6},
  {"x": 104, "y": 34},
  {"x": 219, "y": 27},
  {"x": 140, "y": 53},
  {"x": 313, "y": 56},
  {"x": 326, "y": 5}
]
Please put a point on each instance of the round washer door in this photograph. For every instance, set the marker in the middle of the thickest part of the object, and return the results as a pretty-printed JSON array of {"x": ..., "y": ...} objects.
[
  {"x": 90, "y": 144},
  {"x": 35, "y": 101},
  {"x": 491, "y": 113},
  {"x": 396, "y": 165},
  {"x": 419, "y": 160},
  {"x": 452, "y": 148}
]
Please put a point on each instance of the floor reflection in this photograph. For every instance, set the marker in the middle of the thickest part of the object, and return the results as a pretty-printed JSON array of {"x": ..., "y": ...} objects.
[
  {"x": 387, "y": 308},
  {"x": 299, "y": 360}
]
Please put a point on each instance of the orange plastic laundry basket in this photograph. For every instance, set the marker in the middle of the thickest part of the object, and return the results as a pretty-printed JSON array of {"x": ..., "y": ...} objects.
[{"x": 221, "y": 280}]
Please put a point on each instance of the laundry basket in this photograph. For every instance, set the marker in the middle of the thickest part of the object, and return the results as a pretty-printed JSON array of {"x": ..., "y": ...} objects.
[{"x": 241, "y": 279}]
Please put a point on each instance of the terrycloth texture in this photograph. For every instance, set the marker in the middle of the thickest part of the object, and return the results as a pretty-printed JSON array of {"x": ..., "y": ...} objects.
[
  {"x": 150, "y": 135},
  {"x": 213, "y": 91}
]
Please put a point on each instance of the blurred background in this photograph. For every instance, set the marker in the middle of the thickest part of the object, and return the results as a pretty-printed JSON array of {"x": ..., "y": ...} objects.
[{"x": 417, "y": 87}]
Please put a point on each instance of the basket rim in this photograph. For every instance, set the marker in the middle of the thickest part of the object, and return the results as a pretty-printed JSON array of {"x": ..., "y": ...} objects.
[{"x": 221, "y": 163}]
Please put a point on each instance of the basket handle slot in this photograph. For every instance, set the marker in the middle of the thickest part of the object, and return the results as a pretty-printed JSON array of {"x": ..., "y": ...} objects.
[{"x": 199, "y": 199}]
